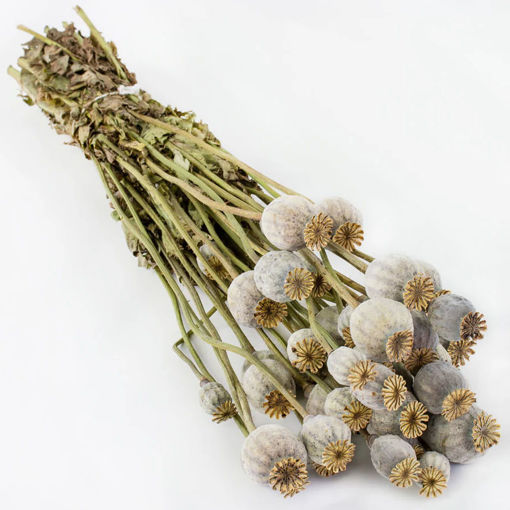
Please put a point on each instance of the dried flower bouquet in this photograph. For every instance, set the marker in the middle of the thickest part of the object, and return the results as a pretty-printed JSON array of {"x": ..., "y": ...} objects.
[{"x": 379, "y": 359}]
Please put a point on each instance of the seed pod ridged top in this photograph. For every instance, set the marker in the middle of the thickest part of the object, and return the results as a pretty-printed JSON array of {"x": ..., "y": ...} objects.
[
  {"x": 371, "y": 394},
  {"x": 434, "y": 382},
  {"x": 267, "y": 446},
  {"x": 284, "y": 219}
]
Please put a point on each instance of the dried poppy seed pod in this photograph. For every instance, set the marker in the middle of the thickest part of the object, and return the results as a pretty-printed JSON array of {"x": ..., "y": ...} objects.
[
  {"x": 328, "y": 441},
  {"x": 262, "y": 393},
  {"x": 305, "y": 352},
  {"x": 443, "y": 390},
  {"x": 284, "y": 219},
  {"x": 212, "y": 260},
  {"x": 385, "y": 422},
  {"x": 328, "y": 319},
  {"x": 458, "y": 439},
  {"x": 262, "y": 355},
  {"x": 272, "y": 272},
  {"x": 340, "y": 211},
  {"x": 273, "y": 455},
  {"x": 402, "y": 278},
  {"x": 395, "y": 459},
  {"x": 424, "y": 334},
  {"x": 370, "y": 394},
  {"x": 344, "y": 319},
  {"x": 443, "y": 354},
  {"x": 243, "y": 298},
  {"x": 435, "y": 473},
  {"x": 337, "y": 400},
  {"x": 216, "y": 401},
  {"x": 316, "y": 400},
  {"x": 340, "y": 362},
  {"x": 382, "y": 329},
  {"x": 454, "y": 317}
]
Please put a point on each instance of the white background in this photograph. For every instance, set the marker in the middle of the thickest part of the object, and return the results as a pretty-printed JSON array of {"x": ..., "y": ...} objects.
[{"x": 402, "y": 107}]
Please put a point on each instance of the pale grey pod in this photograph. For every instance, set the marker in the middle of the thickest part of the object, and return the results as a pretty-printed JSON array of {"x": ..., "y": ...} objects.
[
  {"x": 318, "y": 431},
  {"x": 387, "y": 276},
  {"x": 446, "y": 313},
  {"x": 257, "y": 385},
  {"x": 434, "y": 382},
  {"x": 212, "y": 395},
  {"x": 387, "y": 451},
  {"x": 337, "y": 400},
  {"x": 370, "y": 396},
  {"x": 344, "y": 319},
  {"x": 340, "y": 211},
  {"x": 262, "y": 355},
  {"x": 328, "y": 319},
  {"x": 207, "y": 253},
  {"x": 272, "y": 270},
  {"x": 453, "y": 439},
  {"x": 316, "y": 400},
  {"x": 424, "y": 335},
  {"x": 443, "y": 354},
  {"x": 267, "y": 445},
  {"x": 243, "y": 298},
  {"x": 436, "y": 460},
  {"x": 430, "y": 271},
  {"x": 284, "y": 219},
  {"x": 341, "y": 360},
  {"x": 374, "y": 321},
  {"x": 384, "y": 422},
  {"x": 297, "y": 336}
]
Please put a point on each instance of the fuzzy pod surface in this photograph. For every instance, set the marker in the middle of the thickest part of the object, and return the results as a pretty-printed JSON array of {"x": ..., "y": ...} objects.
[
  {"x": 296, "y": 337},
  {"x": 212, "y": 395},
  {"x": 267, "y": 445},
  {"x": 434, "y": 382},
  {"x": 446, "y": 313},
  {"x": 284, "y": 219},
  {"x": 328, "y": 319},
  {"x": 436, "y": 460},
  {"x": 318, "y": 431},
  {"x": 370, "y": 395},
  {"x": 340, "y": 211},
  {"x": 344, "y": 319},
  {"x": 341, "y": 360},
  {"x": 387, "y": 276},
  {"x": 387, "y": 451},
  {"x": 374, "y": 321},
  {"x": 424, "y": 334},
  {"x": 454, "y": 439},
  {"x": 316, "y": 400},
  {"x": 257, "y": 385},
  {"x": 272, "y": 270},
  {"x": 242, "y": 299},
  {"x": 337, "y": 400},
  {"x": 385, "y": 422}
]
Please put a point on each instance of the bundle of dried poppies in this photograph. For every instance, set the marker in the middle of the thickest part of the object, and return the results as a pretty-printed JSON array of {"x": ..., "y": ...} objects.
[{"x": 379, "y": 358}]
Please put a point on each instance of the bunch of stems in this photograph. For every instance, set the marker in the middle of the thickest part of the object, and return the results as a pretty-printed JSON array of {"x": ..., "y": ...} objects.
[{"x": 175, "y": 189}]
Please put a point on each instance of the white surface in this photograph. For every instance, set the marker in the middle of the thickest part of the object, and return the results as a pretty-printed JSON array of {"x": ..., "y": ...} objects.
[{"x": 402, "y": 107}]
